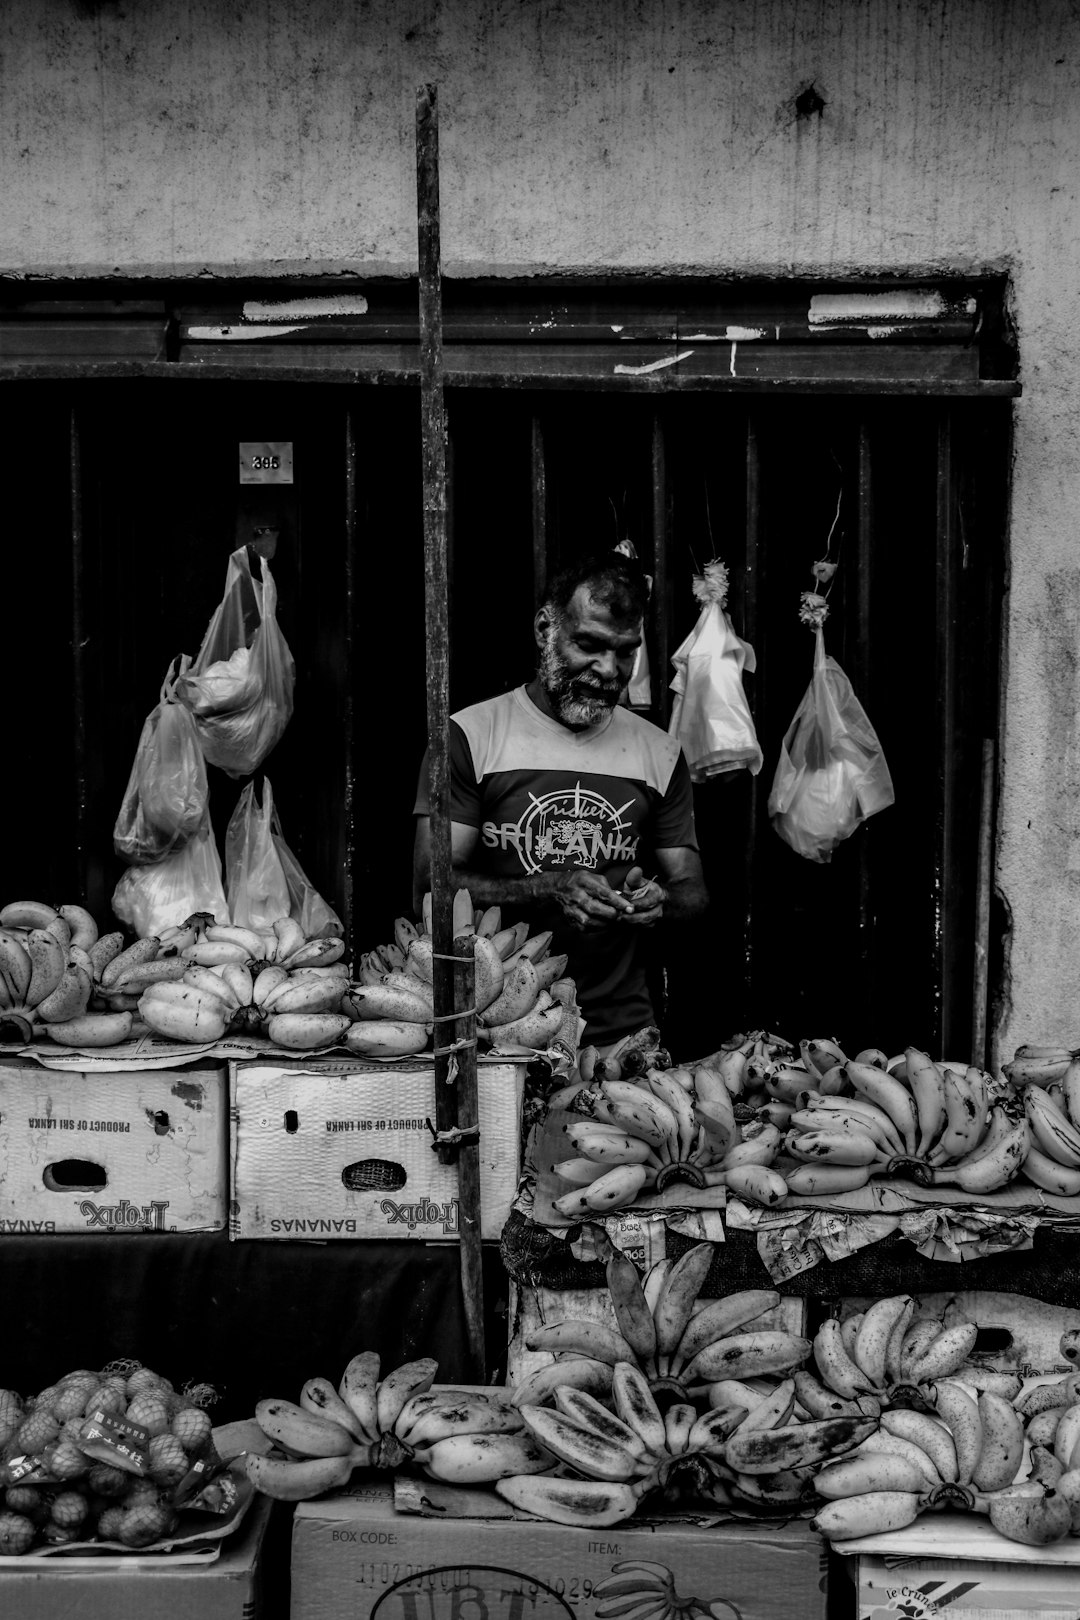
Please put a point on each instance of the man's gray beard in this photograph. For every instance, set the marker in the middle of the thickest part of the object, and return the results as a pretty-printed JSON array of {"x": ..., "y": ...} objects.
[{"x": 573, "y": 708}]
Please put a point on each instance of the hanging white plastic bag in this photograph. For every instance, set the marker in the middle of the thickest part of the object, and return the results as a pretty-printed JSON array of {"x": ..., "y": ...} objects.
[
  {"x": 255, "y": 883},
  {"x": 164, "y": 804},
  {"x": 306, "y": 904},
  {"x": 150, "y": 899},
  {"x": 832, "y": 772},
  {"x": 263, "y": 878},
  {"x": 710, "y": 715},
  {"x": 240, "y": 687}
]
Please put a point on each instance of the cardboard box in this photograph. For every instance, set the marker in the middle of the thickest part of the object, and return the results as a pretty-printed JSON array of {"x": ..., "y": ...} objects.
[
  {"x": 227, "y": 1586},
  {"x": 112, "y": 1152},
  {"x": 967, "y": 1589},
  {"x": 355, "y": 1558},
  {"x": 337, "y": 1148}
]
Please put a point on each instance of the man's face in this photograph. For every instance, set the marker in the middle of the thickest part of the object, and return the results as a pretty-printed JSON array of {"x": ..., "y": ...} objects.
[{"x": 586, "y": 659}]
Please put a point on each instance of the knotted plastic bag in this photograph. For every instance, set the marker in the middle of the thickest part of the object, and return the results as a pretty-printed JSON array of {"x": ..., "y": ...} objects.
[
  {"x": 832, "y": 772},
  {"x": 165, "y": 801},
  {"x": 240, "y": 686},
  {"x": 264, "y": 880},
  {"x": 150, "y": 899},
  {"x": 710, "y": 715}
]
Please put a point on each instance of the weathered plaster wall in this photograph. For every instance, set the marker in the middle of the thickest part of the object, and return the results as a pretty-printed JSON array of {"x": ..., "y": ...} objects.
[{"x": 276, "y": 135}]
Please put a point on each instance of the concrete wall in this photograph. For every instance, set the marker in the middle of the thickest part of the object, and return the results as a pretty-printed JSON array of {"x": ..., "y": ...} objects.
[{"x": 277, "y": 135}]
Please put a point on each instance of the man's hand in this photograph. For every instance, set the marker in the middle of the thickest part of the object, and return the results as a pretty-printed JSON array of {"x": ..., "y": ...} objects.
[
  {"x": 587, "y": 900},
  {"x": 646, "y": 899}
]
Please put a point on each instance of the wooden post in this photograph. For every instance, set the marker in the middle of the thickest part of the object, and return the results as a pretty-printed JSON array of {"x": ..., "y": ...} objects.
[{"x": 455, "y": 1072}]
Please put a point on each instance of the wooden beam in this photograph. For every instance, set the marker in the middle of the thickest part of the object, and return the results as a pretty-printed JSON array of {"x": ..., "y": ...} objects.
[{"x": 455, "y": 1063}]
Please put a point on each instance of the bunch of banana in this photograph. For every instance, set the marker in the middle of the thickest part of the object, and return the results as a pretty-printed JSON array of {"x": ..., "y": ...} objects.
[
  {"x": 678, "y": 1344},
  {"x": 665, "y": 1126},
  {"x": 458, "y": 1436},
  {"x": 1052, "y": 1160},
  {"x": 49, "y": 963},
  {"x": 1038, "y": 1065},
  {"x": 522, "y": 1000},
  {"x": 887, "y": 1353},
  {"x": 284, "y": 946}
]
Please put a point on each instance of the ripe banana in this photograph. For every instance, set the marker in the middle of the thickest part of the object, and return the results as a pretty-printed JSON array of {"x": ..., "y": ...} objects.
[
  {"x": 296, "y": 1481},
  {"x": 84, "y": 930},
  {"x": 578, "y": 1172},
  {"x": 27, "y": 914},
  {"x": 632, "y": 1312},
  {"x": 884, "y": 1318},
  {"x": 965, "y": 1119},
  {"x": 775, "y": 1411},
  {"x": 253, "y": 943},
  {"x": 591, "y": 1454},
  {"x": 945, "y": 1354},
  {"x": 382, "y": 1038},
  {"x": 985, "y": 1173},
  {"x": 869, "y": 1515},
  {"x": 134, "y": 980},
  {"x": 1027, "y": 1070},
  {"x": 891, "y": 1096},
  {"x": 575, "y": 1335},
  {"x": 869, "y": 1471},
  {"x": 211, "y": 984},
  {"x": 381, "y": 1000},
  {"x": 961, "y": 1415},
  {"x": 844, "y": 1147},
  {"x": 679, "y": 1421},
  {"x": 319, "y": 1396},
  {"x": 589, "y": 1413},
  {"x": 398, "y": 1387},
  {"x": 182, "y": 1013},
  {"x": 103, "y": 951},
  {"x": 534, "y": 1032},
  {"x": 839, "y": 1371},
  {"x": 516, "y": 998},
  {"x": 92, "y": 1029},
  {"x": 48, "y": 958},
  {"x": 1067, "y": 1437},
  {"x": 578, "y": 1372},
  {"x": 926, "y": 1433},
  {"x": 1051, "y": 1132},
  {"x": 819, "y": 1402},
  {"x": 143, "y": 950},
  {"x": 68, "y": 1000},
  {"x": 614, "y": 1189},
  {"x": 307, "y": 1433},
  {"x": 590, "y": 1502},
  {"x": 634, "y": 1402},
  {"x": 305, "y": 1031},
  {"x": 313, "y": 953},
  {"x": 757, "y": 1182},
  {"x": 796, "y": 1445},
  {"x": 358, "y": 1390},
  {"x": 482, "y": 1459},
  {"x": 863, "y": 1114},
  {"x": 322, "y": 995},
  {"x": 606, "y": 1144},
  {"x": 747, "y": 1355},
  {"x": 622, "y": 1103},
  {"x": 1050, "y": 1174},
  {"x": 893, "y": 1446},
  {"x": 825, "y": 1180},
  {"x": 679, "y": 1286},
  {"x": 720, "y": 1319},
  {"x": 1034, "y": 1519}
]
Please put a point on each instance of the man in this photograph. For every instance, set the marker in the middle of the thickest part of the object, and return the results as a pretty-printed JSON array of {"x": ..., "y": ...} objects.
[{"x": 562, "y": 800}]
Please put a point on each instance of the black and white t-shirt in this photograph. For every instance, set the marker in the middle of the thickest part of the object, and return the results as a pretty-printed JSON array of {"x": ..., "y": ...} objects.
[{"x": 543, "y": 797}]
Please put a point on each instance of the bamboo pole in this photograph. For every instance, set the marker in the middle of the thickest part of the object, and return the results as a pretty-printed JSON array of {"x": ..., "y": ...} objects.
[{"x": 455, "y": 1070}]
